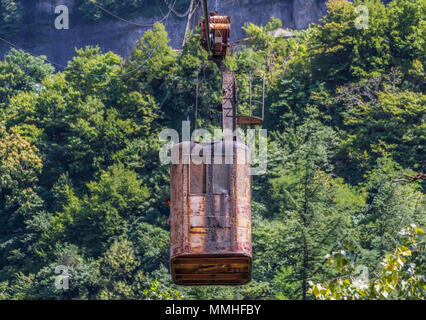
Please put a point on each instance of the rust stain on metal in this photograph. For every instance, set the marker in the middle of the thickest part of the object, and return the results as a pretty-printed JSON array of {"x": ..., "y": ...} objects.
[
  {"x": 211, "y": 233},
  {"x": 211, "y": 204}
]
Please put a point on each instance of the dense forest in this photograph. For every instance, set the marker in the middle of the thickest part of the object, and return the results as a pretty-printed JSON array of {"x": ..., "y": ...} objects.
[{"x": 82, "y": 186}]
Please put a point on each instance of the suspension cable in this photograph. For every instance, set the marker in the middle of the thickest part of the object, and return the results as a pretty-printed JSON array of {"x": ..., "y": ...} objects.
[
  {"x": 92, "y": 74},
  {"x": 180, "y": 15},
  {"x": 196, "y": 95},
  {"x": 125, "y": 20}
]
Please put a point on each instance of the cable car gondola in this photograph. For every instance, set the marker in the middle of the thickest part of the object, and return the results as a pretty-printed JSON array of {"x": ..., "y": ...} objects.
[
  {"x": 210, "y": 202},
  {"x": 211, "y": 217}
]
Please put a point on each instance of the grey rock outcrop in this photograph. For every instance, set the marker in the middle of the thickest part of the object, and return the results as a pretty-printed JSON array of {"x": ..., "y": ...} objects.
[{"x": 120, "y": 37}]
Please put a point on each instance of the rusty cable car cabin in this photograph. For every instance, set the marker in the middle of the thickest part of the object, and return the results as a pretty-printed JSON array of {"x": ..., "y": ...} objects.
[
  {"x": 211, "y": 217},
  {"x": 210, "y": 201}
]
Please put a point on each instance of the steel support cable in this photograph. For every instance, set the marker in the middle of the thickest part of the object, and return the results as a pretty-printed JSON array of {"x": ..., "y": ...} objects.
[
  {"x": 93, "y": 74},
  {"x": 35, "y": 56},
  {"x": 127, "y": 21},
  {"x": 180, "y": 15},
  {"x": 159, "y": 7},
  {"x": 196, "y": 95},
  {"x": 197, "y": 8},
  {"x": 207, "y": 24}
]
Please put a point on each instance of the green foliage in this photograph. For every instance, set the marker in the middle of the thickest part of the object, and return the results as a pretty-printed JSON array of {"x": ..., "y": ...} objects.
[
  {"x": 92, "y": 72},
  {"x": 153, "y": 59},
  {"x": 155, "y": 292},
  {"x": 401, "y": 275},
  {"x": 408, "y": 33},
  {"x": 341, "y": 52},
  {"x": 388, "y": 206},
  {"x": 192, "y": 70},
  {"x": 10, "y": 16},
  {"x": 102, "y": 214},
  {"x": 383, "y": 119},
  {"x": 21, "y": 72},
  {"x": 123, "y": 278},
  {"x": 315, "y": 207},
  {"x": 117, "y": 267},
  {"x": 20, "y": 166}
]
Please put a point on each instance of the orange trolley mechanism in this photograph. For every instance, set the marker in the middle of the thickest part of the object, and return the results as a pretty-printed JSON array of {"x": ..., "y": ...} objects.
[
  {"x": 210, "y": 202},
  {"x": 215, "y": 37}
]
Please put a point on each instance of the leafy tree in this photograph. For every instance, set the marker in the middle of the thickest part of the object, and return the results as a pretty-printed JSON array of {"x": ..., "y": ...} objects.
[
  {"x": 315, "y": 207},
  {"x": 104, "y": 213},
  {"x": 192, "y": 89},
  {"x": 20, "y": 166},
  {"x": 388, "y": 206},
  {"x": 90, "y": 72},
  {"x": 151, "y": 60},
  {"x": 21, "y": 72},
  {"x": 122, "y": 278},
  {"x": 10, "y": 16},
  {"x": 341, "y": 52},
  {"x": 401, "y": 276},
  {"x": 382, "y": 119},
  {"x": 407, "y": 38},
  {"x": 117, "y": 268}
]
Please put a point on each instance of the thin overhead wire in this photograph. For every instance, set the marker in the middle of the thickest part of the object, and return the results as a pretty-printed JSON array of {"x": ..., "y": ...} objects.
[
  {"x": 164, "y": 99},
  {"x": 180, "y": 15},
  {"x": 159, "y": 7},
  {"x": 127, "y": 21},
  {"x": 93, "y": 74},
  {"x": 196, "y": 12},
  {"x": 196, "y": 95},
  {"x": 35, "y": 56}
]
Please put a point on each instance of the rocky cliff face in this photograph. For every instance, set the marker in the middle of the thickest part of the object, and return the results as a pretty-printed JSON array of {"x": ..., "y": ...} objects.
[{"x": 120, "y": 37}]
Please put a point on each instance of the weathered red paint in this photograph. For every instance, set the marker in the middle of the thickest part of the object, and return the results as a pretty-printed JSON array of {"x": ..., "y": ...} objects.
[
  {"x": 219, "y": 29},
  {"x": 211, "y": 233}
]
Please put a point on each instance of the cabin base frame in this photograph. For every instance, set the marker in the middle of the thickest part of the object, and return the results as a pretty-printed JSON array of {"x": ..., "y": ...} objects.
[{"x": 211, "y": 269}]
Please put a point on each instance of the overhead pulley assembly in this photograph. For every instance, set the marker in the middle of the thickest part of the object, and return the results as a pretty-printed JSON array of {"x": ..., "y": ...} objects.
[{"x": 215, "y": 34}]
